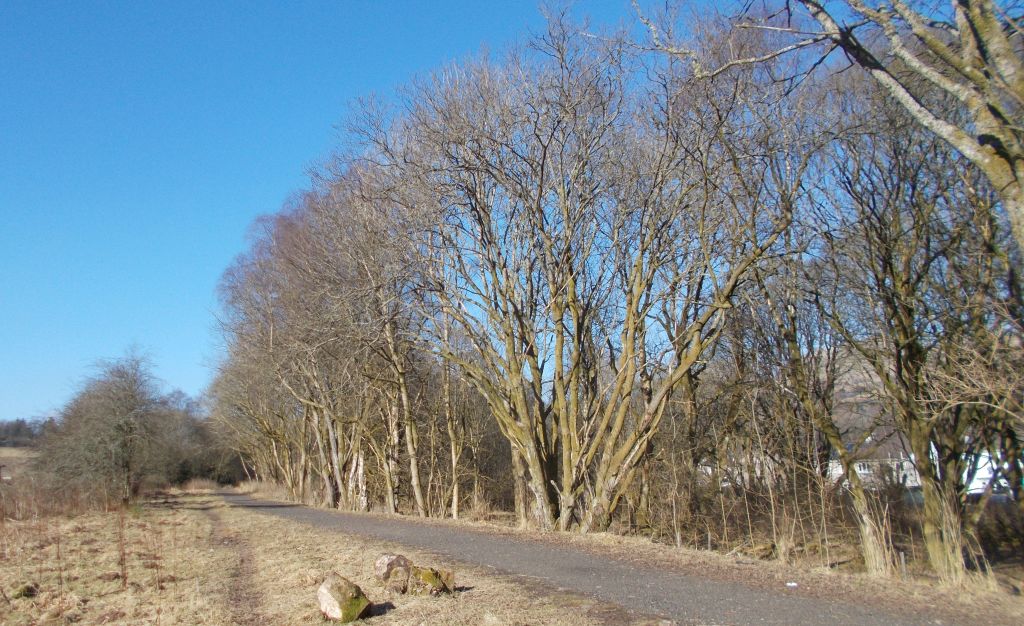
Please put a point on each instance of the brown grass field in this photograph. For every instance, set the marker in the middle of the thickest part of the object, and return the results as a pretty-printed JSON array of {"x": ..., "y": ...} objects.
[{"x": 15, "y": 461}]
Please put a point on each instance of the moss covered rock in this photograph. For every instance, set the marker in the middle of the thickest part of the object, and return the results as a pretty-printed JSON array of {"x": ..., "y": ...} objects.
[
  {"x": 398, "y": 580},
  {"x": 425, "y": 581},
  {"x": 387, "y": 563},
  {"x": 341, "y": 599},
  {"x": 448, "y": 578},
  {"x": 399, "y": 575}
]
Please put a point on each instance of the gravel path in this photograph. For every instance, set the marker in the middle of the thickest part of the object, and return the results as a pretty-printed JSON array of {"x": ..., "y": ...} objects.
[{"x": 682, "y": 598}]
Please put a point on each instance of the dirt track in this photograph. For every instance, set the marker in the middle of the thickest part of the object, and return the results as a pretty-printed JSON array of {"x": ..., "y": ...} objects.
[{"x": 645, "y": 591}]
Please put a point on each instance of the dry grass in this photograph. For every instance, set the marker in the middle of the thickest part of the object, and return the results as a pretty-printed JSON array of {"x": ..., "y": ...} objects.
[
  {"x": 265, "y": 490},
  {"x": 198, "y": 485},
  {"x": 15, "y": 461},
  {"x": 193, "y": 560},
  {"x": 24, "y": 495},
  {"x": 172, "y": 569}
]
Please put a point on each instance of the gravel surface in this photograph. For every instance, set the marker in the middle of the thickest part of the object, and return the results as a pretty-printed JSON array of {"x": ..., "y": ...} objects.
[{"x": 655, "y": 591}]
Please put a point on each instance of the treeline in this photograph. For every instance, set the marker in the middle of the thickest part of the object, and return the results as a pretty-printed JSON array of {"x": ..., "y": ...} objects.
[
  {"x": 121, "y": 433},
  {"x": 18, "y": 433},
  {"x": 603, "y": 286}
]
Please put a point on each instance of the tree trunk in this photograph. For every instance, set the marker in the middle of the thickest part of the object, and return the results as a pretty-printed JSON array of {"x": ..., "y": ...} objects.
[
  {"x": 543, "y": 510},
  {"x": 455, "y": 482},
  {"x": 411, "y": 448},
  {"x": 456, "y": 433},
  {"x": 872, "y": 542},
  {"x": 598, "y": 515},
  {"x": 940, "y": 522},
  {"x": 357, "y": 495},
  {"x": 519, "y": 488},
  {"x": 390, "y": 465},
  {"x": 337, "y": 465},
  {"x": 1013, "y": 202},
  {"x": 330, "y": 487}
]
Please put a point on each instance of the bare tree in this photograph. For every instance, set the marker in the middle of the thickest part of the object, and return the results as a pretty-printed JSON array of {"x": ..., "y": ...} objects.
[
  {"x": 591, "y": 242},
  {"x": 905, "y": 217},
  {"x": 968, "y": 50},
  {"x": 108, "y": 437}
]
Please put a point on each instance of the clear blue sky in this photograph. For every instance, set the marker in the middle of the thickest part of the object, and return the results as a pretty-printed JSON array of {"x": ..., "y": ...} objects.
[{"x": 138, "y": 140}]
